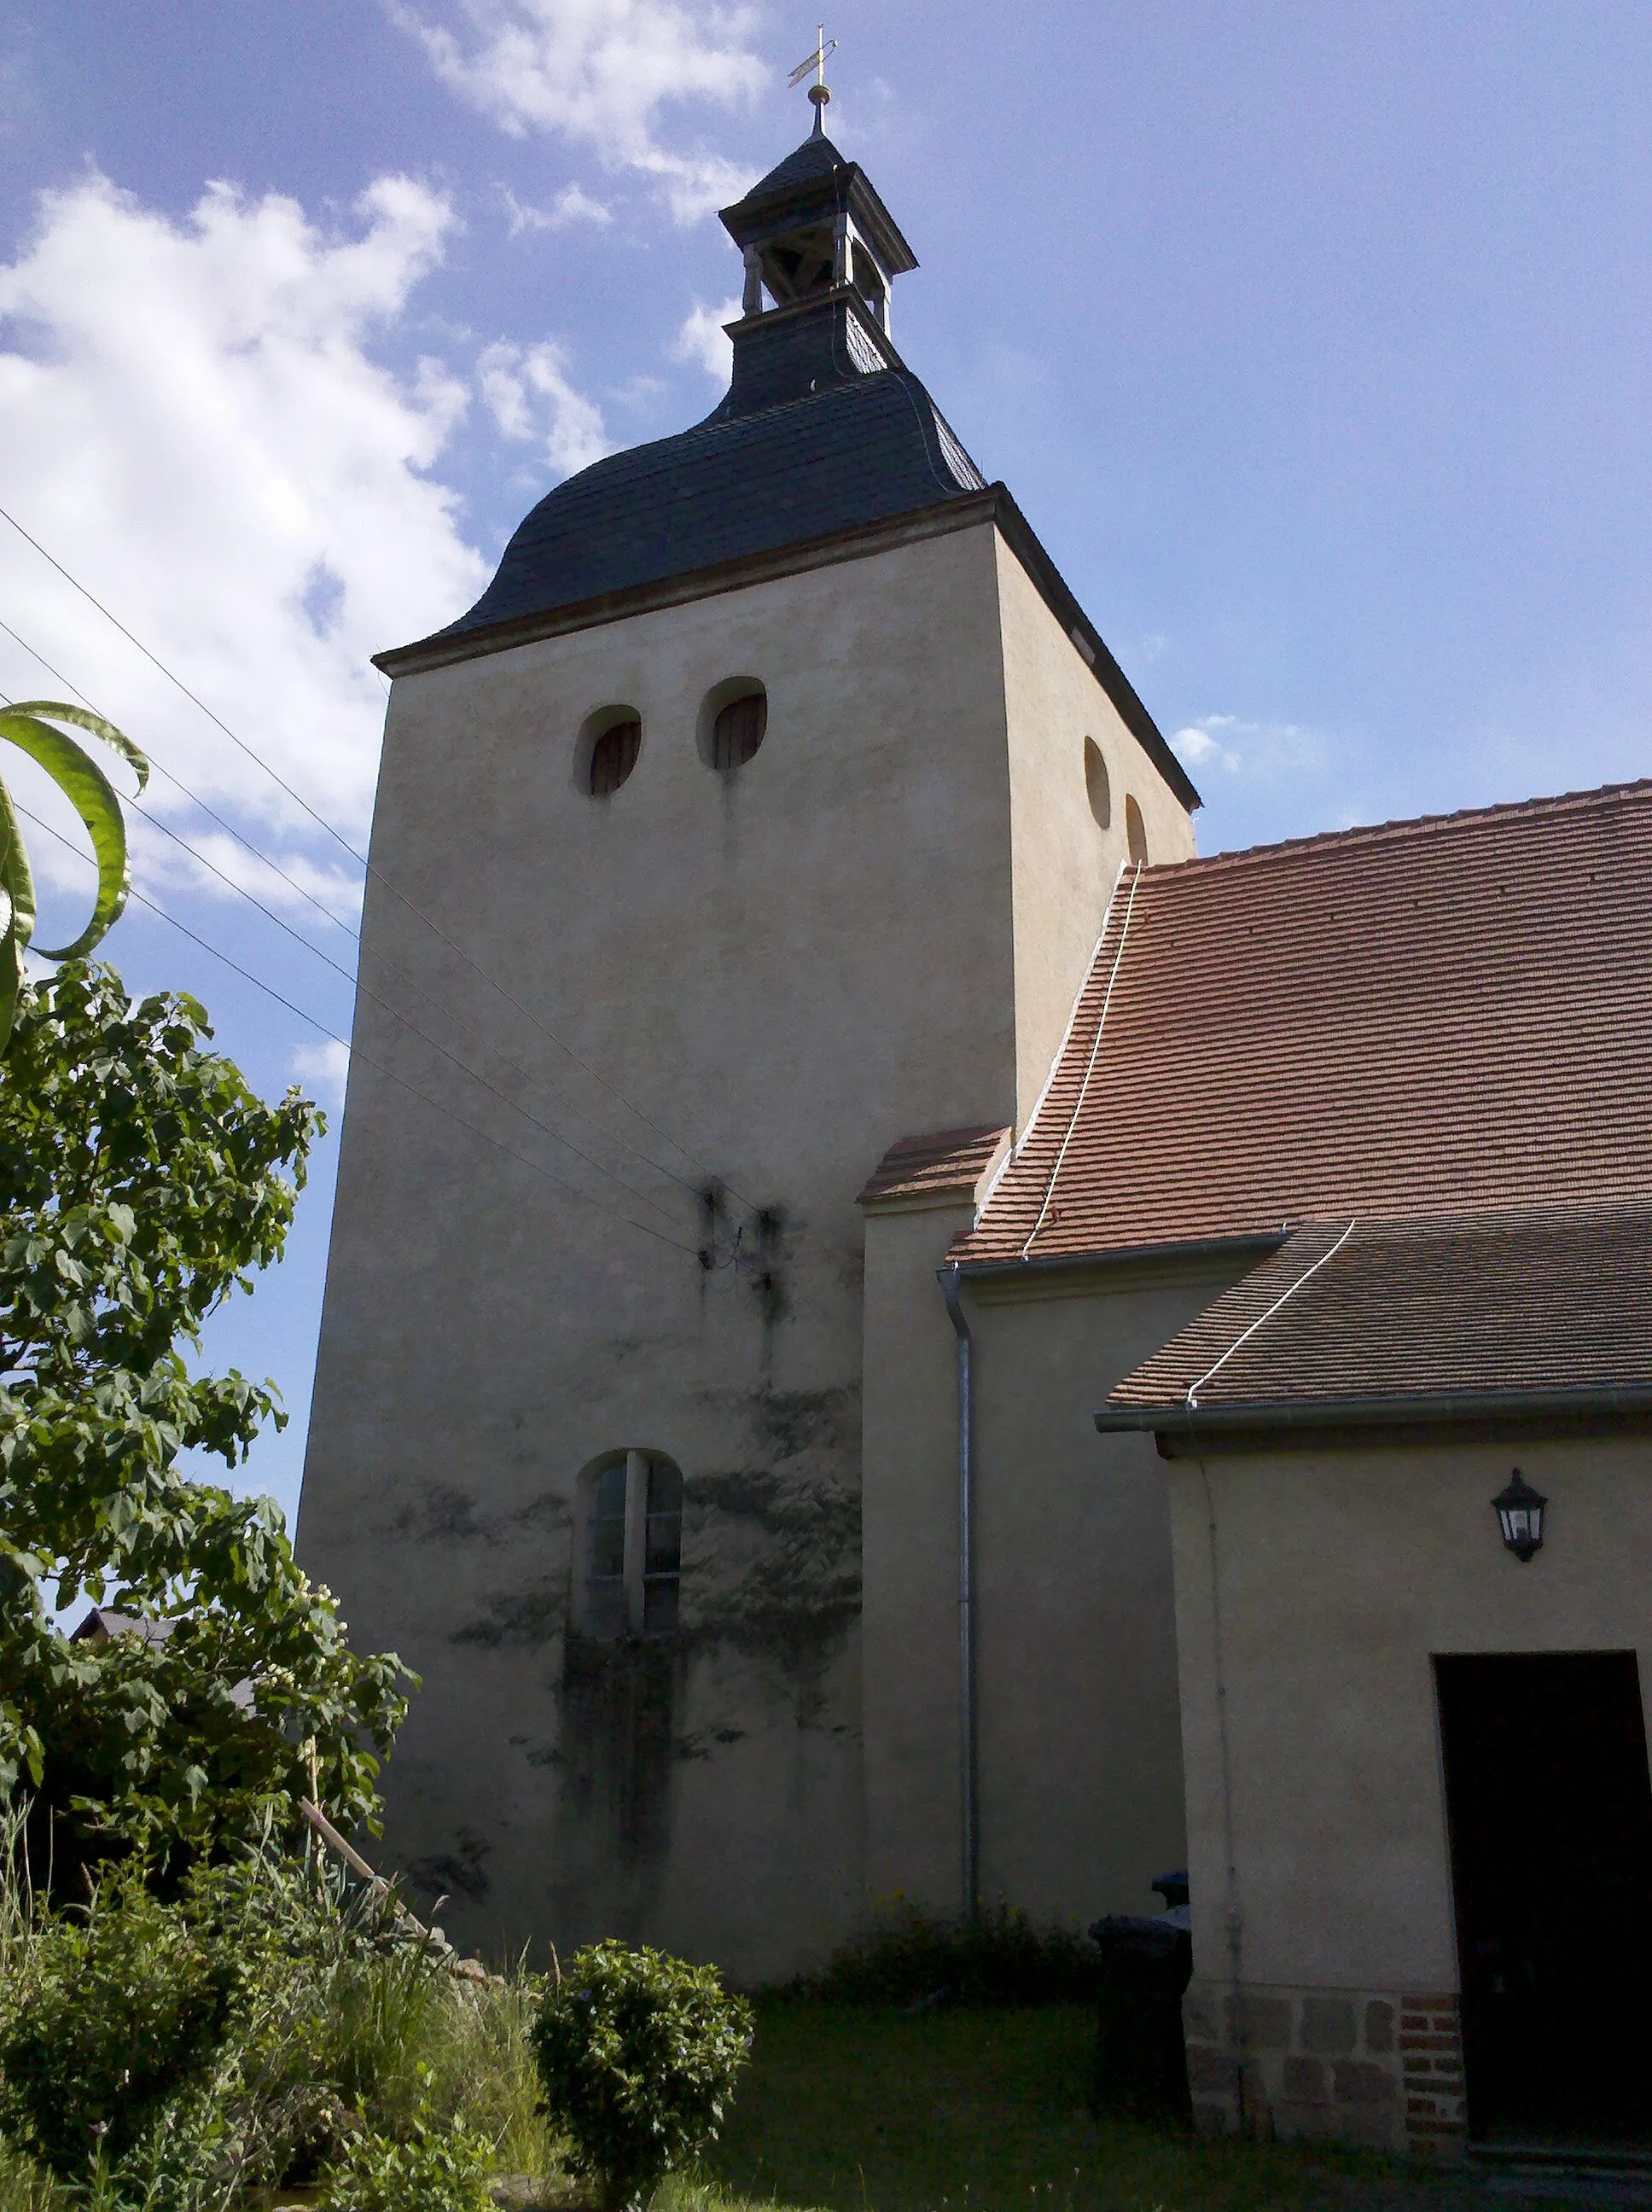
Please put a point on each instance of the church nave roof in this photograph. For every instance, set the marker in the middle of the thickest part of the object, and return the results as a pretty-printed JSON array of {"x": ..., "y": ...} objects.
[{"x": 1429, "y": 1017}]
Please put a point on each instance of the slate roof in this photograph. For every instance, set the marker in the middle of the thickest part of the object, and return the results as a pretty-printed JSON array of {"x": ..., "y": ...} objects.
[
  {"x": 1461, "y": 1308},
  {"x": 1428, "y": 1017},
  {"x": 817, "y": 157},
  {"x": 812, "y": 184},
  {"x": 948, "y": 1161},
  {"x": 861, "y": 448}
]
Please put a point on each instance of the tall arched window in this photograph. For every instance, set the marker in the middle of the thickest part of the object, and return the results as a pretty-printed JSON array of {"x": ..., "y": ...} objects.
[{"x": 632, "y": 1563}]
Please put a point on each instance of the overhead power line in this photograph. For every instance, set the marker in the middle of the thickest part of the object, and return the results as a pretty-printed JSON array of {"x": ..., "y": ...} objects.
[
  {"x": 177, "y": 784},
  {"x": 395, "y": 1013},
  {"x": 362, "y": 861},
  {"x": 332, "y": 1036},
  {"x": 466, "y": 1028}
]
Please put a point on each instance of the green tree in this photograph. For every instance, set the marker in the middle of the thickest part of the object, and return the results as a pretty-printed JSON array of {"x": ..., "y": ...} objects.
[{"x": 142, "y": 1183}]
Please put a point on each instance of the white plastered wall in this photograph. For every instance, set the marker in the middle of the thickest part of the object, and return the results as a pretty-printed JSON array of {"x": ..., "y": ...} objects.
[
  {"x": 1079, "y": 1776},
  {"x": 876, "y": 928},
  {"x": 1064, "y": 862},
  {"x": 784, "y": 970},
  {"x": 1341, "y": 1573}
]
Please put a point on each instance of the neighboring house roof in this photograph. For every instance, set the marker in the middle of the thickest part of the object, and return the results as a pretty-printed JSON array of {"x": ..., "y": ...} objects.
[
  {"x": 1373, "y": 1320},
  {"x": 950, "y": 1162},
  {"x": 1427, "y": 1017},
  {"x": 103, "y": 1621}
]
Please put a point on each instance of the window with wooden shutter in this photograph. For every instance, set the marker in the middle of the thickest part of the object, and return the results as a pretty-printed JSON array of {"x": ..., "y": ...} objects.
[
  {"x": 737, "y": 731},
  {"x": 613, "y": 755}
]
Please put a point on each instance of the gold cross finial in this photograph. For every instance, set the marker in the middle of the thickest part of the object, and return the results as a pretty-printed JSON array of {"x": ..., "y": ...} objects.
[{"x": 819, "y": 92}]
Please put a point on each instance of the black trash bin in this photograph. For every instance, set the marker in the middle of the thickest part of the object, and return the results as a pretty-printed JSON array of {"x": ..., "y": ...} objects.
[{"x": 1141, "y": 2060}]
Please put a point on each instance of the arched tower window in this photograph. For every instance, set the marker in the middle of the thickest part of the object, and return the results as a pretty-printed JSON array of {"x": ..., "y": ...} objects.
[
  {"x": 1135, "y": 831},
  {"x": 733, "y": 720},
  {"x": 631, "y": 1565},
  {"x": 610, "y": 741},
  {"x": 1098, "y": 789}
]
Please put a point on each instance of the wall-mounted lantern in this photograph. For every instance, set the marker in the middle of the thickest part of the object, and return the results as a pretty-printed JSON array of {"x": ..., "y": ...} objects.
[{"x": 1520, "y": 1516}]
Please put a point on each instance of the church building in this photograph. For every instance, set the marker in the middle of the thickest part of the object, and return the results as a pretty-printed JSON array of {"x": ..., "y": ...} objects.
[{"x": 949, "y": 1347}]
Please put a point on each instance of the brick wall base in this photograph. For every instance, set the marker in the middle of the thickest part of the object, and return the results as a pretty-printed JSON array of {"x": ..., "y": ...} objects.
[{"x": 1382, "y": 2068}]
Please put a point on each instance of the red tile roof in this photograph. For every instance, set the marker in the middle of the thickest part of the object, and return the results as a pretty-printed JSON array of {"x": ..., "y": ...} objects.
[
  {"x": 1470, "y": 1306},
  {"x": 1423, "y": 1017},
  {"x": 951, "y": 1160}
]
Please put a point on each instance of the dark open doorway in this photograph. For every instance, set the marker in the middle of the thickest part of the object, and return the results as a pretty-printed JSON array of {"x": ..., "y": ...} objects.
[{"x": 1550, "y": 1818}]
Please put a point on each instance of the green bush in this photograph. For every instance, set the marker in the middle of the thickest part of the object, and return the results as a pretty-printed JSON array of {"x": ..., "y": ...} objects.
[
  {"x": 435, "y": 2169},
  {"x": 638, "y": 2053},
  {"x": 340, "y": 2024},
  {"x": 120, "y": 2009},
  {"x": 1002, "y": 1958}
]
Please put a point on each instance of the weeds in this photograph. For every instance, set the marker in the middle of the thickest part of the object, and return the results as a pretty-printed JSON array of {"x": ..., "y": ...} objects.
[
  {"x": 1003, "y": 1958},
  {"x": 336, "y": 2024}
]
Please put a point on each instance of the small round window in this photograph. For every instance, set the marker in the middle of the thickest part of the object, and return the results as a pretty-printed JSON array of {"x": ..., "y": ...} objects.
[
  {"x": 1096, "y": 785},
  {"x": 733, "y": 724},
  {"x": 610, "y": 743}
]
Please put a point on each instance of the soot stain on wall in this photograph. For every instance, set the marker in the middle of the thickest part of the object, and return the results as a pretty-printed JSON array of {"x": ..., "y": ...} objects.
[
  {"x": 457, "y": 1872},
  {"x": 771, "y": 1574},
  {"x": 529, "y": 1617}
]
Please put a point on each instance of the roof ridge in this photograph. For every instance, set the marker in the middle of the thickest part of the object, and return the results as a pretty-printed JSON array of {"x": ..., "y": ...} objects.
[
  {"x": 1491, "y": 1213},
  {"x": 1396, "y": 831}
]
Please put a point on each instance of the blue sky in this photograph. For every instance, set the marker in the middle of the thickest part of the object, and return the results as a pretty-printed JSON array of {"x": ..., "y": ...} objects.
[{"x": 1313, "y": 340}]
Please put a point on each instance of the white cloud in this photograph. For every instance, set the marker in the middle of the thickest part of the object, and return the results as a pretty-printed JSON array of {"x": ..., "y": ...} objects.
[
  {"x": 198, "y": 424},
  {"x": 1231, "y": 746},
  {"x": 528, "y": 391},
  {"x": 571, "y": 205},
  {"x": 1198, "y": 747},
  {"x": 702, "y": 339},
  {"x": 193, "y": 424},
  {"x": 600, "y": 71},
  {"x": 322, "y": 1069}
]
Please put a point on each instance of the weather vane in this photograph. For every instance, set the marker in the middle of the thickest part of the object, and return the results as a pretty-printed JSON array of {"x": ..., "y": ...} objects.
[{"x": 818, "y": 91}]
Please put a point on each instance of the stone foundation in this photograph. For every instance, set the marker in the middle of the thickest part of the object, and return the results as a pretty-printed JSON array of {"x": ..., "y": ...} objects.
[{"x": 1382, "y": 2068}]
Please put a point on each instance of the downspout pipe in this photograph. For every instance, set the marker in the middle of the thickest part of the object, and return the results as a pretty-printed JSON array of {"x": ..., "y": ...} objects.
[{"x": 951, "y": 1290}]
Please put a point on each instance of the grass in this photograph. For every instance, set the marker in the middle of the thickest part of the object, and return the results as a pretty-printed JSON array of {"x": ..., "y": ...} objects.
[
  {"x": 846, "y": 2107},
  {"x": 855, "y": 2110},
  {"x": 851, "y": 2108}
]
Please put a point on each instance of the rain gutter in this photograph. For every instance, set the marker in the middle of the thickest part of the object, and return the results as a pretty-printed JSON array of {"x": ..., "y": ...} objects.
[
  {"x": 969, "y": 1840},
  {"x": 1258, "y": 1243},
  {"x": 1396, "y": 1410}
]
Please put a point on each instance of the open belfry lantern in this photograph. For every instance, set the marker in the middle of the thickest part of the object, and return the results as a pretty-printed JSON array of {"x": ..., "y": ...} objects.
[{"x": 1520, "y": 1516}]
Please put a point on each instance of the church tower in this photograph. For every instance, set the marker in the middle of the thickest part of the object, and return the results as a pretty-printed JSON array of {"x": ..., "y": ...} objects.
[{"x": 763, "y": 812}]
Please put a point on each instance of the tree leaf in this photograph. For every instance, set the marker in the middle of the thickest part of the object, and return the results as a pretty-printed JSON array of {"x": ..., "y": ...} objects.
[
  {"x": 94, "y": 799},
  {"x": 56, "y": 710}
]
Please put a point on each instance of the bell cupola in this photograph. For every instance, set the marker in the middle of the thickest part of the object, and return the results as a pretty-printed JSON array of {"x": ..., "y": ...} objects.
[
  {"x": 822, "y": 252},
  {"x": 814, "y": 227}
]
